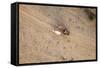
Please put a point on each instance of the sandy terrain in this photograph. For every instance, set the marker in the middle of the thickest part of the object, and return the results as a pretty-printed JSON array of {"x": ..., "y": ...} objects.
[{"x": 42, "y": 37}]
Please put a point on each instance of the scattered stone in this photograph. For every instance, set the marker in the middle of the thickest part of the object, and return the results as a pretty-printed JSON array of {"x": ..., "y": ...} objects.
[{"x": 63, "y": 58}]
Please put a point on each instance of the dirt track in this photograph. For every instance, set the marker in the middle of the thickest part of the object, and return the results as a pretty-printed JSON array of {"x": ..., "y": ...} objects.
[{"x": 39, "y": 43}]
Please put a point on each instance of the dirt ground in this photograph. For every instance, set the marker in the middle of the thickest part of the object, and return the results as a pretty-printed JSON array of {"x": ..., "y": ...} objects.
[{"x": 53, "y": 34}]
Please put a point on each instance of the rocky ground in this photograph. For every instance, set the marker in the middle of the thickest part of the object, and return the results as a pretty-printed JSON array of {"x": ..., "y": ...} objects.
[{"x": 49, "y": 34}]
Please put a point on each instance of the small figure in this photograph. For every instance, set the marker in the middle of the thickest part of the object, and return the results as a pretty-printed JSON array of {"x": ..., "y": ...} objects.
[{"x": 63, "y": 30}]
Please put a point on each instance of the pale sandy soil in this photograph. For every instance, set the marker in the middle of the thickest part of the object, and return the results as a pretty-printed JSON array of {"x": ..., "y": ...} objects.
[{"x": 39, "y": 43}]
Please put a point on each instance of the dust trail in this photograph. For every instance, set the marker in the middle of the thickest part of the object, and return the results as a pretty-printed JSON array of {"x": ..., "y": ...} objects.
[{"x": 57, "y": 17}]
